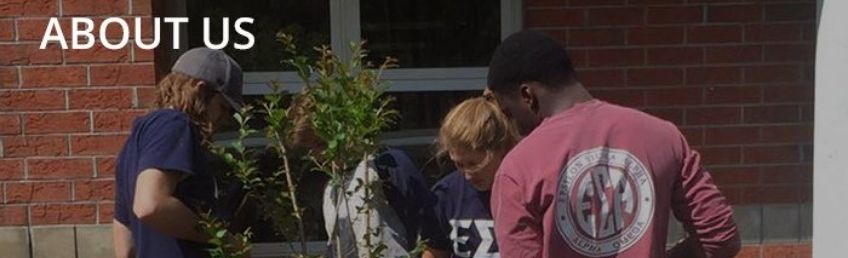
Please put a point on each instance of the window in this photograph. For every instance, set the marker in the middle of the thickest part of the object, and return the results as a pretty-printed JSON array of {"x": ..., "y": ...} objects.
[{"x": 443, "y": 49}]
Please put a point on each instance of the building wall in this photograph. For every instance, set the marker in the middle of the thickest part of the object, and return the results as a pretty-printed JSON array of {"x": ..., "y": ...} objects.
[
  {"x": 64, "y": 115},
  {"x": 735, "y": 75}
]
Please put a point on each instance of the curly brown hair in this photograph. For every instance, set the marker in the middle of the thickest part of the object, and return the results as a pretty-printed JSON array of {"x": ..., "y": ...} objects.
[{"x": 187, "y": 94}]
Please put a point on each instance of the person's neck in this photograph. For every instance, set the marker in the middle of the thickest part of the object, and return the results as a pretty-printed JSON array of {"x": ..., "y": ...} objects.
[{"x": 565, "y": 99}]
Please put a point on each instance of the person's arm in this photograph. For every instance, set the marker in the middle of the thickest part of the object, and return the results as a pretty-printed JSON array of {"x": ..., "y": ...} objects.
[
  {"x": 705, "y": 213},
  {"x": 156, "y": 206},
  {"x": 518, "y": 229},
  {"x": 435, "y": 253},
  {"x": 122, "y": 239}
]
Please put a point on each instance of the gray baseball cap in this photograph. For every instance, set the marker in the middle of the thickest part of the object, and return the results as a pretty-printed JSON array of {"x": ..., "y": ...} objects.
[{"x": 215, "y": 68}]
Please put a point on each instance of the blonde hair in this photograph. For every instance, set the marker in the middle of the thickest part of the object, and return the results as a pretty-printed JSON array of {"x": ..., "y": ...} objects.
[
  {"x": 185, "y": 93},
  {"x": 478, "y": 124}
]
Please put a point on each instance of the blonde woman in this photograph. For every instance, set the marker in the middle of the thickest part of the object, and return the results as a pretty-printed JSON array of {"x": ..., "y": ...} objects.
[
  {"x": 475, "y": 135},
  {"x": 161, "y": 178}
]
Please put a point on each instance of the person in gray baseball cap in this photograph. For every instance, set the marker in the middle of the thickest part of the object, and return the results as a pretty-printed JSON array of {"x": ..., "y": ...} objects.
[{"x": 162, "y": 178}]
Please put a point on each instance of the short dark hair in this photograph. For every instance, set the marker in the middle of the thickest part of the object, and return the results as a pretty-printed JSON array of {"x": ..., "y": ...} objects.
[{"x": 528, "y": 56}]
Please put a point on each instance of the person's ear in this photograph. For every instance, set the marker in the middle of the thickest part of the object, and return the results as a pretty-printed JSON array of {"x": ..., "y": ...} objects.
[{"x": 528, "y": 96}]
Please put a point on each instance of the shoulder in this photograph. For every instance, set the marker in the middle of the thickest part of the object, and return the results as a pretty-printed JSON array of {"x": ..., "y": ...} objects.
[{"x": 448, "y": 183}]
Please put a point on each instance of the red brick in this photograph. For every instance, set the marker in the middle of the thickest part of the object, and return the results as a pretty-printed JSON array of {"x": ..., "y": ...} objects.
[
  {"x": 772, "y": 114},
  {"x": 675, "y": 14},
  {"x": 654, "y": 76},
  {"x": 727, "y": 176},
  {"x": 715, "y": 34},
  {"x": 100, "y": 98},
  {"x": 655, "y": 36},
  {"x": 733, "y": 54},
  {"x": 713, "y": 75},
  {"x": 629, "y": 98},
  {"x": 673, "y": 97},
  {"x": 97, "y": 144},
  {"x": 596, "y": 37},
  {"x": 809, "y": 32},
  {"x": 115, "y": 121},
  {"x": 10, "y": 125},
  {"x": 8, "y": 77},
  {"x": 787, "y": 250},
  {"x": 97, "y": 54},
  {"x": 106, "y": 167},
  {"x": 772, "y": 154},
  {"x": 28, "y": 8},
  {"x": 63, "y": 214},
  {"x": 602, "y": 78},
  {"x": 655, "y": 2},
  {"x": 791, "y": 12},
  {"x": 617, "y": 16},
  {"x": 60, "y": 168},
  {"x": 731, "y": 135},
  {"x": 29, "y": 54},
  {"x": 7, "y": 30},
  {"x": 142, "y": 55},
  {"x": 141, "y": 7},
  {"x": 147, "y": 96},
  {"x": 36, "y": 77},
  {"x": 615, "y": 57},
  {"x": 772, "y": 194},
  {"x": 57, "y": 122},
  {"x": 579, "y": 57},
  {"x": 675, "y": 55},
  {"x": 694, "y": 135},
  {"x": 790, "y": 52},
  {"x": 787, "y": 174},
  {"x": 106, "y": 212},
  {"x": 733, "y": 95},
  {"x": 734, "y": 196},
  {"x": 713, "y": 115},
  {"x": 787, "y": 133},
  {"x": 720, "y": 155},
  {"x": 94, "y": 7},
  {"x": 555, "y": 17},
  {"x": 94, "y": 190},
  {"x": 13, "y": 215},
  {"x": 673, "y": 115},
  {"x": 33, "y": 29},
  {"x": 595, "y": 2},
  {"x": 31, "y": 100},
  {"x": 558, "y": 35},
  {"x": 136, "y": 74},
  {"x": 735, "y": 13},
  {"x": 11, "y": 169},
  {"x": 28, "y": 146},
  {"x": 37, "y": 192},
  {"x": 772, "y": 32},
  {"x": 749, "y": 251}
]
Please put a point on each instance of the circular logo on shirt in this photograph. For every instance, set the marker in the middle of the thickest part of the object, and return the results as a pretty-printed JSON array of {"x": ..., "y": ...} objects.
[{"x": 605, "y": 201}]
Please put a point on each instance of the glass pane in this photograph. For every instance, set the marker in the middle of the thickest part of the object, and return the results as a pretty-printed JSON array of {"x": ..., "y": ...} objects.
[
  {"x": 436, "y": 33},
  {"x": 309, "y": 21}
]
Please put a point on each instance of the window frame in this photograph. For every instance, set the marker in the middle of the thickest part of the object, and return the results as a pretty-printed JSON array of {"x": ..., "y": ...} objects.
[{"x": 345, "y": 28}]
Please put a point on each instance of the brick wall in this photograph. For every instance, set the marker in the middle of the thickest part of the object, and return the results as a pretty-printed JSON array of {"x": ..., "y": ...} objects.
[
  {"x": 735, "y": 75},
  {"x": 64, "y": 114}
]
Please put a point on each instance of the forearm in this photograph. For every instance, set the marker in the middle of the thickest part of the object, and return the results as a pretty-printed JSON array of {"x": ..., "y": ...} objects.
[
  {"x": 435, "y": 253},
  {"x": 122, "y": 239},
  {"x": 173, "y": 218}
]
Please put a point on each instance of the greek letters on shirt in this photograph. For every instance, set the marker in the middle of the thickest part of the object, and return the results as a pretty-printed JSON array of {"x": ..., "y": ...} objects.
[
  {"x": 605, "y": 201},
  {"x": 461, "y": 232}
]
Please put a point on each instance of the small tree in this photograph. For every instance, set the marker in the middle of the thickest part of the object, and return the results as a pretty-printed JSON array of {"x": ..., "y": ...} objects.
[{"x": 348, "y": 110}]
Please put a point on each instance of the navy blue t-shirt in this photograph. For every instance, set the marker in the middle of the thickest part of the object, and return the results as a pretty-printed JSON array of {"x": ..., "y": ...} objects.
[
  {"x": 463, "y": 219},
  {"x": 405, "y": 190},
  {"x": 166, "y": 140}
]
